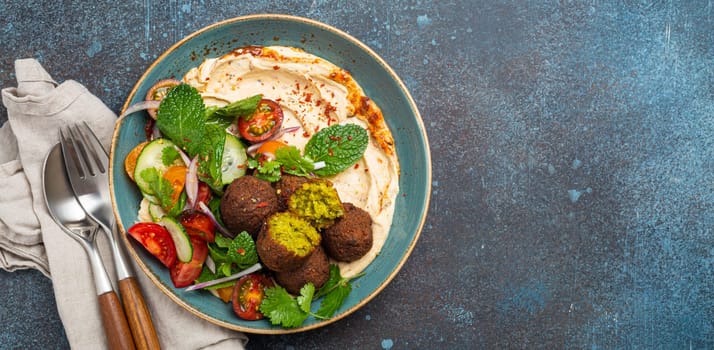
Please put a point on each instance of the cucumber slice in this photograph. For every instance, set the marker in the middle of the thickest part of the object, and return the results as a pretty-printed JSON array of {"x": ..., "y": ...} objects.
[
  {"x": 151, "y": 157},
  {"x": 184, "y": 249},
  {"x": 234, "y": 160},
  {"x": 156, "y": 211}
]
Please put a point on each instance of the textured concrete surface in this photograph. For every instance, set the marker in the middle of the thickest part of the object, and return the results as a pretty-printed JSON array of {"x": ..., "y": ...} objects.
[{"x": 573, "y": 147}]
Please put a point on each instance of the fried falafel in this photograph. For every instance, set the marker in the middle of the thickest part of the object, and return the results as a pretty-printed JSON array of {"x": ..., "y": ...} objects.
[
  {"x": 286, "y": 241},
  {"x": 285, "y": 188},
  {"x": 316, "y": 201},
  {"x": 247, "y": 202},
  {"x": 350, "y": 238},
  {"x": 315, "y": 270}
]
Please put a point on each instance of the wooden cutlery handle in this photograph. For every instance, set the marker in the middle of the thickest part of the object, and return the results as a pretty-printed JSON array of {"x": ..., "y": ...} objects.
[
  {"x": 114, "y": 322},
  {"x": 142, "y": 327}
]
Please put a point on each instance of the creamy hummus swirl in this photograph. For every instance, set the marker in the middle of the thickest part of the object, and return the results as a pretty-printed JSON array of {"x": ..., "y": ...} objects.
[{"x": 313, "y": 94}]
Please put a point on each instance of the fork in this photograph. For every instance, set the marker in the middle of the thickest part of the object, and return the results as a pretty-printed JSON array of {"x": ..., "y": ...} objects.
[{"x": 86, "y": 163}]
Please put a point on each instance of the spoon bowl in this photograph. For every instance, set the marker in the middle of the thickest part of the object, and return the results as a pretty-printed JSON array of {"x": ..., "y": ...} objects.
[{"x": 60, "y": 200}]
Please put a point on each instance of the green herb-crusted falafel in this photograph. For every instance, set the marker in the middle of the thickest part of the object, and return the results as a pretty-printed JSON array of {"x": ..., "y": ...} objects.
[
  {"x": 286, "y": 241},
  {"x": 316, "y": 201}
]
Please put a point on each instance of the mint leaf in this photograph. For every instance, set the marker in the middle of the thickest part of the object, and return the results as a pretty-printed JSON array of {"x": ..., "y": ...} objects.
[
  {"x": 242, "y": 251},
  {"x": 211, "y": 159},
  {"x": 339, "y": 146},
  {"x": 181, "y": 118},
  {"x": 227, "y": 114},
  {"x": 281, "y": 308}
]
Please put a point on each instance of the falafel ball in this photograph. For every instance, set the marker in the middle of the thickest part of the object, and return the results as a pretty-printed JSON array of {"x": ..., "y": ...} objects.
[
  {"x": 285, "y": 188},
  {"x": 350, "y": 238},
  {"x": 286, "y": 241},
  {"x": 316, "y": 201},
  {"x": 247, "y": 202},
  {"x": 315, "y": 270}
]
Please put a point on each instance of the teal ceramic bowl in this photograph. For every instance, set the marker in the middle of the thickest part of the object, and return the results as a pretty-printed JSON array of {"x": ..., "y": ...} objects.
[{"x": 379, "y": 82}]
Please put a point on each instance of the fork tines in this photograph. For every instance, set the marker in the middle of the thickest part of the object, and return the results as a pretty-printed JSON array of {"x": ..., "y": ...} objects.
[{"x": 83, "y": 147}]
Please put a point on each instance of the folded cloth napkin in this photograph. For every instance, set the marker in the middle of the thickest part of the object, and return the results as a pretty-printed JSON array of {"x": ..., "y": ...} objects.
[{"x": 30, "y": 239}]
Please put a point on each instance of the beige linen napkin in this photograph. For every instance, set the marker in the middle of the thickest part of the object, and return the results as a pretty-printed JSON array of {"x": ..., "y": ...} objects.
[{"x": 30, "y": 239}]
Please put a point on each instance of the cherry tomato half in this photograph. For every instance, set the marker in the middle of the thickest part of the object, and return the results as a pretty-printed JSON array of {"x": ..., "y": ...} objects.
[
  {"x": 248, "y": 293},
  {"x": 198, "y": 224},
  {"x": 156, "y": 240},
  {"x": 262, "y": 124},
  {"x": 183, "y": 274},
  {"x": 176, "y": 175},
  {"x": 268, "y": 148}
]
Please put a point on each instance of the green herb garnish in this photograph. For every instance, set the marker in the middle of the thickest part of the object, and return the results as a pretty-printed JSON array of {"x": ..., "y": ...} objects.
[
  {"x": 233, "y": 255},
  {"x": 225, "y": 115},
  {"x": 180, "y": 117},
  {"x": 290, "y": 312},
  {"x": 292, "y": 162},
  {"x": 163, "y": 191},
  {"x": 339, "y": 146}
]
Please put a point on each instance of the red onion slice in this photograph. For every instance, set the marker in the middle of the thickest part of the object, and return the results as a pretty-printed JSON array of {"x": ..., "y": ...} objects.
[
  {"x": 204, "y": 208},
  {"x": 192, "y": 182},
  {"x": 140, "y": 106},
  {"x": 247, "y": 271}
]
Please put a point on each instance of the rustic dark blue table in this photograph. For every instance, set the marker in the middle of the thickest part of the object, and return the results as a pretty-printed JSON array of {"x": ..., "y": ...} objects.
[{"x": 573, "y": 162}]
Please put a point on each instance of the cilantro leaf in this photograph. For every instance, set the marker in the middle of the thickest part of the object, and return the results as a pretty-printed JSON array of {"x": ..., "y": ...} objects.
[
  {"x": 169, "y": 155},
  {"x": 163, "y": 191},
  {"x": 293, "y": 163},
  {"x": 181, "y": 118},
  {"x": 334, "y": 291},
  {"x": 332, "y": 281},
  {"x": 242, "y": 251},
  {"x": 339, "y": 146},
  {"x": 268, "y": 171},
  {"x": 305, "y": 299},
  {"x": 281, "y": 308},
  {"x": 333, "y": 300}
]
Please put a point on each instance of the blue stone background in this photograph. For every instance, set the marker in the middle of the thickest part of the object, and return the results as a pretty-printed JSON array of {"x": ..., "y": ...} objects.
[{"x": 572, "y": 146}]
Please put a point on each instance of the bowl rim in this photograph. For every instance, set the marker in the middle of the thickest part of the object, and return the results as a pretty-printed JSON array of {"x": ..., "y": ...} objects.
[{"x": 427, "y": 156}]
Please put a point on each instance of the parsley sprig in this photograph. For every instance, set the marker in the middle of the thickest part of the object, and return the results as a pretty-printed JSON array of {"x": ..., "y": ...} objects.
[
  {"x": 338, "y": 146},
  {"x": 290, "y": 312}
]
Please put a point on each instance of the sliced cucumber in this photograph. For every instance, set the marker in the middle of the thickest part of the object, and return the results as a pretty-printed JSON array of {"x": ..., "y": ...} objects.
[
  {"x": 156, "y": 211},
  {"x": 151, "y": 157},
  {"x": 184, "y": 249},
  {"x": 234, "y": 160}
]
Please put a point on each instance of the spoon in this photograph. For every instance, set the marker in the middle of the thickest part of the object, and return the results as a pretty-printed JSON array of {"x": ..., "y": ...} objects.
[{"x": 71, "y": 218}]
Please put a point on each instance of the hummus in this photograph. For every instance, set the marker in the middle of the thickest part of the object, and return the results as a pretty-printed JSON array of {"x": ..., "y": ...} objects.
[{"x": 313, "y": 94}]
